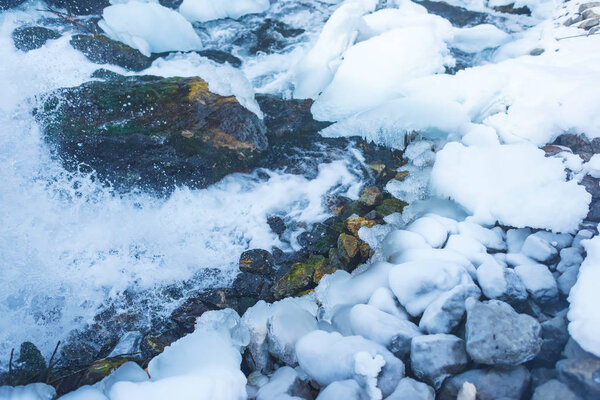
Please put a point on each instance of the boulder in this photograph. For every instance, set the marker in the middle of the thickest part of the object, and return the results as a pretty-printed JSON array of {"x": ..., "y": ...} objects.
[
  {"x": 436, "y": 357},
  {"x": 32, "y": 37},
  {"x": 409, "y": 389},
  {"x": 500, "y": 283},
  {"x": 497, "y": 335},
  {"x": 582, "y": 375},
  {"x": 446, "y": 312},
  {"x": 539, "y": 281},
  {"x": 555, "y": 335},
  {"x": 491, "y": 384},
  {"x": 554, "y": 390},
  {"x": 103, "y": 50},
  {"x": 152, "y": 132},
  {"x": 257, "y": 261}
]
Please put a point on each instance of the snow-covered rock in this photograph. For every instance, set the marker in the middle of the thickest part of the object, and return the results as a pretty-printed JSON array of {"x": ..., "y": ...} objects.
[
  {"x": 446, "y": 312},
  {"x": 384, "y": 300},
  {"x": 410, "y": 389},
  {"x": 434, "y": 233},
  {"x": 539, "y": 281},
  {"x": 500, "y": 283},
  {"x": 33, "y": 391},
  {"x": 497, "y": 335},
  {"x": 348, "y": 389},
  {"x": 149, "y": 27},
  {"x": 288, "y": 323},
  {"x": 435, "y": 357},
  {"x": 206, "y": 10},
  {"x": 379, "y": 326},
  {"x": 539, "y": 249}
]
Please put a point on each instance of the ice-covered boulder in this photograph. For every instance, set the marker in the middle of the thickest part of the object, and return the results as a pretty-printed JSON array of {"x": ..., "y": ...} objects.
[
  {"x": 379, "y": 326},
  {"x": 149, "y": 27},
  {"x": 206, "y": 10},
  {"x": 539, "y": 281},
  {"x": 284, "y": 384},
  {"x": 435, "y": 357},
  {"x": 288, "y": 323},
  {"x": 383, "y": 299},
  {"x": 500, "y": 283},
  {"x": 489, "y": 182},
  {"x": 539, "y": 249},
  {"x": 497, "y": 335},
  {"x": 446, "y": 312},
  {"x": 434, "y": 233},
  {"x": 417, "y": 284},
  {"x": 348, "y": 389},
  {"x": 329, "y": 357}
]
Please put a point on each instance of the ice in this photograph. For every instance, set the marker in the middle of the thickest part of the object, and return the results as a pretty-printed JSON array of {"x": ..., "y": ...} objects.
[
  {"x": 316, "y": 69},
  {"x": 433, "y": 255},
  {"x": 584, "y": 298},
  {"x": 149, "y": 27},
  {"x": 202, "y": 365},
  {"x": 490, "y": 238},
  {"x": 569, "y": 257},
  {"x": 279, "y": 385},
  {"x": 539, "y": 8},
  {"x": 378, "y": 326},
  {"x": 329, "y": 357},
  {"x": 288, "y": 323},
  {"x": 33, "y": 391},
  {"x": 410, "y": 389},
  {"x": 446, "y": 312},
  {"x": 593, "y": 166},
  {"x": 383, "y": 299},
  {"x": 489, "y": 182},
  {"x": 432, "y": 231},
  {"x": 515, "y": 238},
  {"x": 399, "y": 241},
  {"x": 129, "y": 372},
  {"x": 478, "y": 38},
  {"x": 539, "y": 282},
  {"x": 416, "y": 284},
  {"x": 469, "y": 247},
  {"x": 363, "y": 81},
  {"x": 206, "y": 10},
  {"x": 85, "y": 393}
]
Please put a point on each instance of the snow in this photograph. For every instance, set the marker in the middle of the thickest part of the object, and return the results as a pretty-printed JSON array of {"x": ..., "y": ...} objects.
[
  {"x": 362, "y": 81},
  {"x": 432, "y": 231},
  {"x": 584, "y": 297},
  {"x": 478, "y": 38},
  {"x": 593, "y": 166},
  {"x": 149, "y": 27},
  {"x": 379, "y": 326},
  {"x": 489, "y": 182},
  {"x": 206, "y": 10},
  {"x": 539, "y": 249},
  {"x": 33, "y": 391},
  {"x": 539, "y": 282}
]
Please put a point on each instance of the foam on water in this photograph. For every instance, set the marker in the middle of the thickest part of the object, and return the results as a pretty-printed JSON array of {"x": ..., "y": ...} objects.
[{"x": 68, "y": 244}]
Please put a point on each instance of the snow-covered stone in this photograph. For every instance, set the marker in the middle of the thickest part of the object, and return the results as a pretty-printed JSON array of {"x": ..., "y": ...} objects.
[
  {"x": 284, "y": 384},
  {"x": 417, "y": 284},
  {"x": 490, "y": 238},
  {"x": 569, "y": 257},
  {"x": 435, "y": 357},
  {"x": 539, "y": 281},
  {"x": 33, "y": 391},
  {"x": 539, "y": 249},
  {"x": 288, "y": 323},
  {"x": 497, "y": 335},
  {"x": 399, "y": 241},
  {"x": 515, "y": 238},
  {"x": 378, "y": 326},
  {"x": 500, "y": 283},
  {"x": 384, "y": 300},
  {"x": 432, "y": 231},
  {"x": 348, "y": 389},
  {"x": 446, "y": 312}
]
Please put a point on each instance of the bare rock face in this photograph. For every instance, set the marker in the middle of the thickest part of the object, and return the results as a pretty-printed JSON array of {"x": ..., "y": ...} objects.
[{"x": 152, "y": 132}]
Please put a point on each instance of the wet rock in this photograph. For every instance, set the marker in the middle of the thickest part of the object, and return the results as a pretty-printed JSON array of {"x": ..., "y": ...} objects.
[
  {"x": 273, "y": 36},
  {"x": 354, "y": 223},
  {"x": 501, "y": 283},
  {"x": 390, "y": 206},
  {"x": 154, "y": 343},
  {"x": 152, "y": 132},
  {"x": 221, "y": 57},
  {"x": 401, "y": 343},
  {"x": 410, "y": 389},
  {"x": 276, "y": 224},
  {"x": 435, "y": 357},
  {"x": 581, "y": 375},
  {"x": 554, "y": 390},
  {"x": 370, "y": 197},
  {"x": 185, "y": 315},
  {"x": 80, "y": 7},
  {"x": 288, "y": 118},
  {"x": 492, "y": 384},
  {"x": 103, "y": 50},
  {"x": 32, "y": 37},
  {"x": 497, "y": 335},
  {"x": 100, "y": 369},
  {"x": 511, "y": 9},
  {"x": 319, "y": 240},
  {"x": 299, "y": 279},
  {"x": 30, "y": 366},
  {"x": 458, "y": 16},
  {"x": 170, "y": 3},
  {"x": 257, "y": 261}
]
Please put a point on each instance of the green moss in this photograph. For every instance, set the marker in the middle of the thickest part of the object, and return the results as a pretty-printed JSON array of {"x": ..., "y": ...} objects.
[{"x": 390, "y": 206}]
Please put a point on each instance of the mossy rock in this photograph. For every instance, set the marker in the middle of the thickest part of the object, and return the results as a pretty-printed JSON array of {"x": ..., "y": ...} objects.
[
  {"x": 370, "y": 197},
  {"x": 390, "y": 206},
  {"x": 103, "y": 50},
  {"x": 32, "y": 37},
  {"x": 30, "y": 366},
  {"x": 354, "y": 223},
  {"x": 152, "y": 132},
  {"x": 299, "y": 278}
]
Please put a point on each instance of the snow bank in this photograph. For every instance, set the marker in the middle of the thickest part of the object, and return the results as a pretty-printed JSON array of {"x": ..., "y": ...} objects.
[
  {"x": 149, "y": 27},
  {"x": 492, "y": 184},
  {"x": 206, "y": 10},
  {"x": 584, "y": 299},
  {"x": 478, "y": 38}
]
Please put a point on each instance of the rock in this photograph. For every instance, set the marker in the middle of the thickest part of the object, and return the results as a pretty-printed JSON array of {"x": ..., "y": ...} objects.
[
  {"x": 80, "y": 7},
  {"x": 539, "y": 282},
  {"x": 347, "y": 389},
  {"x": 354, "y": 223},
  {"x": 220, "y": 57},
  {"x": 30, "y": 366},
  {"x": 129, "y": 344},
  {"x": 285, "y": 327},
  {"x": 589, "y": 24},
  {"x": 103, "y": 50},
  {"x": 401, "y": 343},
  {"x": 567, "y": 280},
  {"x": 539, "y": 376},
  {"x": 257, "y": 261},
  {"x": 276, "y": 224},
  {"x": 271, "y": 36},
  {"x": 573, "y": 350},
  {"x": 491, "y": 384},
  {"x": 555, "y": 335},
  {"x": 436, "y": 357},
  {"x": 446, "y": 312},
  {"x": 32, "y": 37},
  {"x": 154, "y": 343},
  {"x": 301, "y": 277},
  {"x": 582, "y": 375},
  {"x": 319, "y": 240},
  {"x": 539, "y": 249},
  {"x": 458, "y": 16},
  {"x": 186, "y": 314},
  {"x": 8, "y": 4},
  {"x": 538, "y": 51},
  {"x": 370, "y": 197},
  {"x": 500, "y": 283},
  {"x": 554, "y": 390},
  {"x": 497, "y": 335},
  {"x": 152, "y": 132},
  {"x": 511, "y": 9},
  {"x": 569, "y": 257},
  {"x": 390, "y": 206},
  {"x": 409, "y": 389},
  {"x": 170, "y": 3},
  {"x": 586, "y": 6}
]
